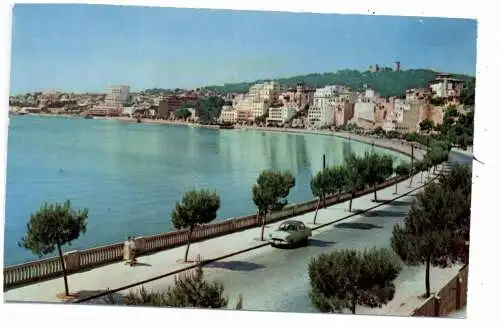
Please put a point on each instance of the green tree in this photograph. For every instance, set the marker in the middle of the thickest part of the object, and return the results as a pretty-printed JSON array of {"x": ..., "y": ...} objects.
[
  {"x": 270, "y": 193},
  {"x": 403, "y": 169},
  {"x": 459, "y": 180},
  {"x": 355, "y": 169},
  {"x": 197, "y": 207},
  {"x": 427, "y": 234},
  {"x": 379, "y": 131},
  {"x": 190, "y": 289},
  {"x": 52, "y": 227},
  {"x": 344, "y": 279},
  {"x": 327, "y": 182},
  {"x": 426, "y": 125},
  {"x": 378, "y": 169},
  {"x": 182, "y": 113}
]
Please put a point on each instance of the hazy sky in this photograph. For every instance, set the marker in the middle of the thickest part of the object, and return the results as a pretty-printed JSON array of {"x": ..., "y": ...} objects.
[{"x": 89, "y": 47}]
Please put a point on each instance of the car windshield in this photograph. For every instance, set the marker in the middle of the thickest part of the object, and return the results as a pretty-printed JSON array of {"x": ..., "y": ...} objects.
[{"x": 287, "y": 227}]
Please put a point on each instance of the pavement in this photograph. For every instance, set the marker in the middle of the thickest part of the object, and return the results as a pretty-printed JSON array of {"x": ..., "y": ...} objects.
[{"x": 269, "y": 278}]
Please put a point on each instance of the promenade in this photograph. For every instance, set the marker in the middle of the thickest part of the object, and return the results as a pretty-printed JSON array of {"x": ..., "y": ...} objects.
[{"x": 117, "y": 275}]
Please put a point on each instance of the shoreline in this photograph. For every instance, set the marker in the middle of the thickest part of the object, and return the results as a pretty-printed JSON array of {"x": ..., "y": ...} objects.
[{"x": 362, "y": 139}]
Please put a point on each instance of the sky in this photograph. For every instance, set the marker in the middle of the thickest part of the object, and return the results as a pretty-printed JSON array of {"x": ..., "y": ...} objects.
[{"x": 87, "y": 48}]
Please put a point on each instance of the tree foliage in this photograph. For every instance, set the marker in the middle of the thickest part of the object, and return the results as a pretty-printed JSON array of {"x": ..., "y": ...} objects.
[
  {"x": 344, "y": 279},
  {"x": 271, "y": 192},
  {"x": 197, "y": 207},
  {"x": 388, "y": 83},
  {"x": 190, "y": 289},
  {"x": 52, "y": 227},
  {"x": 426, "y": 125},
  {"x": 377, "y": 169},
  {"x": 209, "y": 109},
  {"x": 436, "y": 230},
  {"x": 182, "y": 113},
  {"x": 326, "y": 182},
  {"x": 355, "y": 169}
]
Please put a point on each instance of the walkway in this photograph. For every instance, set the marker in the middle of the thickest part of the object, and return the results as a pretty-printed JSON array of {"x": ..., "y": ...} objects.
[{"x": 361, "y": 231}]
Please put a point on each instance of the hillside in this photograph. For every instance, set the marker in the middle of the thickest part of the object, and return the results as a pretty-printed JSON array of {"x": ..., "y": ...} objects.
[{"x": 387, "y": 83}]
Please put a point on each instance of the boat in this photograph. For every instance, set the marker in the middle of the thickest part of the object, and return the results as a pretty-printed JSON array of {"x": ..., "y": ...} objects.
[{"x": 88, "y": 116}]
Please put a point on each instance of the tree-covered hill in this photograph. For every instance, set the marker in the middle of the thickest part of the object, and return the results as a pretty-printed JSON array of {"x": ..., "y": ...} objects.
[{"x": 387, "y": 83}]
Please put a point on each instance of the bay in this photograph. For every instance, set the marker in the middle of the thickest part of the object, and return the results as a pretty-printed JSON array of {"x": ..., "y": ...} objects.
[{"x": 131, "y": 175}]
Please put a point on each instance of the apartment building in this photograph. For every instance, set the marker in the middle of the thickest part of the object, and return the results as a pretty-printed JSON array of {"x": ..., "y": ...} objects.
[
  {"x": 280, "y": 115},
  {"x": 228, "y": 114},
  {"x": 447, "y": 87},
  {"x": 172, "y": 103},
  {"x": 117, "y": 95}
]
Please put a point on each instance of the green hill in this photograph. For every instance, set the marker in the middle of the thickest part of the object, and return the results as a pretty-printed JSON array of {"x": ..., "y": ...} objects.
[{"x": 387, "y": 83}]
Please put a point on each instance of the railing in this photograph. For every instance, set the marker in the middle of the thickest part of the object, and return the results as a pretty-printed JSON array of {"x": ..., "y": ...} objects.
[
  {"x": 452, "y": 297},
  {"x": 80, "y": 260}
]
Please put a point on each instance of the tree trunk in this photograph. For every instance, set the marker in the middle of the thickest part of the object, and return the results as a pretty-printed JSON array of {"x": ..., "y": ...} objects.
[
  {"x": 411, "y": 178},
  {"x": 395, "y": 188},
  {"x": 263, "y": 226},
  {"x": 427, "y": 274},
  {"x": 350, "y": 202},
  {"x": 421, "y": 176},
  {"x": 316, "y": 213},
  {"x": 353, "y": 303},
  {"x": 375, "y": 193},
  {"x": 190, "y": 232},
  {"x": 65, "y": 275},
  {"x": 429, "y": 174}
]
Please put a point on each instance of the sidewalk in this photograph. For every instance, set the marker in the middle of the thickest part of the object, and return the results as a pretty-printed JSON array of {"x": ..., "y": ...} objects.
[{"x": 116, "y": 275}]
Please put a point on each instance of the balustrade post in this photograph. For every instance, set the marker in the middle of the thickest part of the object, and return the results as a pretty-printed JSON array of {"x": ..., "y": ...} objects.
[
  {"x": 140, "y": 244},
  {"x": 72, "y": 261}
]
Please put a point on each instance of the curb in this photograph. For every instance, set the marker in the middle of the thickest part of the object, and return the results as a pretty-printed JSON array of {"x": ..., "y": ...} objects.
[{"x": 240, "y": 251}]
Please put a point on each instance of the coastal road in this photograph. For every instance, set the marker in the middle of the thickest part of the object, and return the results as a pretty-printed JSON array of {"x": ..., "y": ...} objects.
[{"x": 278, "y": 280}]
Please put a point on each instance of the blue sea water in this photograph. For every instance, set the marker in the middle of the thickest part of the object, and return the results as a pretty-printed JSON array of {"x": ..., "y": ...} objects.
[{"x": 131, "y": 175}]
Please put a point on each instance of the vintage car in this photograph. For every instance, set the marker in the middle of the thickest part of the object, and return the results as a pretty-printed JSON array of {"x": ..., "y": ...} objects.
[{"x": 290, "y": 232}]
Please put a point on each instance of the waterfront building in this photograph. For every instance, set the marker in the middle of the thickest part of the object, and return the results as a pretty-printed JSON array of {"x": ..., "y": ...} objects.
[
  {"x": 280, "y": 115},
  {"x": 169, "y": 104},
  {"x": 117, "y": 95},
  {"x": 298, "y": 97},
  {"x": 228, "y": 114}
]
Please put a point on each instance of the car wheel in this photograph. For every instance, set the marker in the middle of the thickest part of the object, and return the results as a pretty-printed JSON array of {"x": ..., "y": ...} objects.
[{"x": 306, "y": 241}]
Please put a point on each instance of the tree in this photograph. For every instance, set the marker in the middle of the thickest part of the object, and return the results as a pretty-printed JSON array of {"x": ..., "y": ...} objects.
[
  {"x": 197, "y": 207},
  {"x": 344, "y": 279},
  {"x": 379, "y": 131},
  {"x": 52, "y": 227},
  {"x": 327, "y": 182},
  {"x": 426, "y": 125},
  {"x": 270, "y": 193},
  {"x": 459, "y": 180},
  {"x": 403, "y": 169},
  {"x": 355, "y": 169},
  {"x": 427, "y": 234},
  {"x": 182, "y": 113},
  {"x": 190, "y": 289},
  {"x": 378, "y": 169}
]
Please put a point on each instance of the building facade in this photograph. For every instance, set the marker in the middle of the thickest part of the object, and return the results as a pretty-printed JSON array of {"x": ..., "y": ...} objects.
[{"x": 168, "y": 105}]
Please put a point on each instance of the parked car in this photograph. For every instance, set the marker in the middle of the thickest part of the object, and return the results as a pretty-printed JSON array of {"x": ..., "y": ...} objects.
[{"x": 290, "y": 232}]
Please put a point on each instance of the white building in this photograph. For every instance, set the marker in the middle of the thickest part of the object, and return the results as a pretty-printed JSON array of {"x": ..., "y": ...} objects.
[
  {"x": 325, "y": 100},
  {"x": 280, "y": 115},
  {"x": 228, "y": 114},
  {"x": 117, "y": 95},
  {"x": 193, "y": 113},
  {"x": 364, "y": 111},
  {"x": 128, "y": 111}
]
